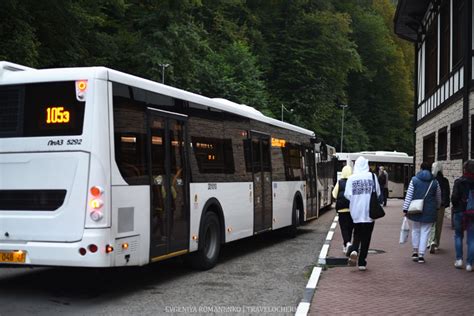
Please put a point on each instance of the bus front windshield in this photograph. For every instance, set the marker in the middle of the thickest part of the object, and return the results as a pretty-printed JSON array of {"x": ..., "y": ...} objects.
[{"x": 42, "y": 109}]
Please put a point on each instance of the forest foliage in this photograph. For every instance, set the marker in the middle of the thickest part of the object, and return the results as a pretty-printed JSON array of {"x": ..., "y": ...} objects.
[{"x": 308, "y": 55}]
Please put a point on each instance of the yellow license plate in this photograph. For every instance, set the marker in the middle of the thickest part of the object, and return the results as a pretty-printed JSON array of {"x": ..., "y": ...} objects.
[{"x": 12, "y": 256}]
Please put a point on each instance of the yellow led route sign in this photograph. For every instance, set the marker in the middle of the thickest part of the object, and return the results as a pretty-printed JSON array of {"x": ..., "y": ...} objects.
[{"x": 57, "y": 115}]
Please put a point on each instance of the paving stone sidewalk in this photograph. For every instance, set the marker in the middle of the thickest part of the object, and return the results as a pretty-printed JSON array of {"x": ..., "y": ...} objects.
[{"x": 393, "y": 284}]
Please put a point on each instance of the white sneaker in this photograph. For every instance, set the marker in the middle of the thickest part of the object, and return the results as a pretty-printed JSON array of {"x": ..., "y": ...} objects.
[
  {"x": 344, "y": 249},
  {"x": 352, "y": 258},
  {"x": 362, "y": 268},
  {"x": 458, "y": 264},
  {"x": 468, "y": 268}
]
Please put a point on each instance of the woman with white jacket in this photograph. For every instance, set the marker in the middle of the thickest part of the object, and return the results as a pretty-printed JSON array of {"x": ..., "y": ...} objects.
[{"x": 358, "y": 190}]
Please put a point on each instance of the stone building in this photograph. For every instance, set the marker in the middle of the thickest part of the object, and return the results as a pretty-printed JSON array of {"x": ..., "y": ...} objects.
[{"x": 441, "y": 31}]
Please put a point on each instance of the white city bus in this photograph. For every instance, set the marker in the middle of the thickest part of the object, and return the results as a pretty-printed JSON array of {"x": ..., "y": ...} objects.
[
  {"x": 399, "y": 167},
  {"x": 99, "y": 168}
]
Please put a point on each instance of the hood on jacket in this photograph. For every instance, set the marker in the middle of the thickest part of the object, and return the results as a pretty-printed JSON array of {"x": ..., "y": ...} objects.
[
  {"x": 424, "y": 175},
  {"x": 437, "y": 167},
  {"x": 468, "y": 177},
  {"x": 361, "y": 165},
  {"x": 346, "y": 172}
]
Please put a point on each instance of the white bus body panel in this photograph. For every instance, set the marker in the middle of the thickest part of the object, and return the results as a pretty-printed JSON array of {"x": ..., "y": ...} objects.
[
  {"x": 396, "y": 189},
  {"x": 283, "y": 195},
  {"x": 131, "y": 218},
  {"x": 236, "y": 200},
  {"x": 66, "y": 254},
  {"x": 36, "y": 171}
]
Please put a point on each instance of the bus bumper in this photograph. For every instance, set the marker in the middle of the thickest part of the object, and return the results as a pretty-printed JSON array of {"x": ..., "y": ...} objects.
[{"x": 64, "y": 253}]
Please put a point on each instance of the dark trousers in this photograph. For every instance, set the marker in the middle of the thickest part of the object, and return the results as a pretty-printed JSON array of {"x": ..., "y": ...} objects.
[
  {"x": 347, "y": 226},
  {"x": 385, "y": 196},
  {"x": 362, "y": 235}
]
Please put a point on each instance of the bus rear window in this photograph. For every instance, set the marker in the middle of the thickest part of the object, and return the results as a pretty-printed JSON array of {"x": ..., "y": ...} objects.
[{"x": 40, "y": 109}]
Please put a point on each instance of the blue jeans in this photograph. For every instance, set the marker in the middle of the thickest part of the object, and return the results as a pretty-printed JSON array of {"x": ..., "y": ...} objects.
[{"x": 459, "y": 235}]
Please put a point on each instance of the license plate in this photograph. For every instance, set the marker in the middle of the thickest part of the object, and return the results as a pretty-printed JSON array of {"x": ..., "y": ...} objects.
[{"x": 12, "y": 256}]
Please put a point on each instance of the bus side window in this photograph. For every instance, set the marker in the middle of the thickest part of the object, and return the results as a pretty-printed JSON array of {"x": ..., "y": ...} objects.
[
  {"x": 292, "y": 158},
  {"x": 130, "y": 137}
]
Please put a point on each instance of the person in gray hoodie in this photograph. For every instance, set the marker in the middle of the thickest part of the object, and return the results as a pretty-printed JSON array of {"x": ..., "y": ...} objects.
[{"x": 358, "y": 190}]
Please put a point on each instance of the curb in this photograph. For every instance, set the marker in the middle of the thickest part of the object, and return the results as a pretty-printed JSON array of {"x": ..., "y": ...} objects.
[{"x": 304, "y": 305}]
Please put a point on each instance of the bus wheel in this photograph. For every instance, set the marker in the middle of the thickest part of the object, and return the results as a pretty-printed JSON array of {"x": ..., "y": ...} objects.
[
  {"x": 296, "y": 212},
  {"x": 209, "y": 243}
]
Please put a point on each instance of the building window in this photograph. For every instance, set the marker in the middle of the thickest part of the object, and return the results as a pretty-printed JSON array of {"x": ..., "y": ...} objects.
[
  {"x": 431, "y": 58},
  {"x": 458, "y": 31},
  {"x": 213, "y": 155},
  {"x": 443, "y": 144},
  {"x": 429, "y": 148},
  {"x": 456, "y": 140},
  {"x": 444, "y": 41}
]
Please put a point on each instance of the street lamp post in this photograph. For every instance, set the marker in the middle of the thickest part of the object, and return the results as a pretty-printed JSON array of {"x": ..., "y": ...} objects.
[
  {"x": 163, "y": 66},
  {"x": 343, "y": 106},
  {"x": 283, "y": 108}
]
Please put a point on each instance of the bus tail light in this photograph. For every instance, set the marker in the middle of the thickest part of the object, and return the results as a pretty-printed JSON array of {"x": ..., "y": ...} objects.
[
  {"x": 96, "y": 216},
  {"x": 92, "y": 248},
  {"x": 96, "y": 203},
  {"x": 109, "y": 249},
  {"x": 96, "y": 191}
]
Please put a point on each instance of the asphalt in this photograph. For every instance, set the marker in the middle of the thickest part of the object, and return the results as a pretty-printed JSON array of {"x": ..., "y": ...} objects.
[{"x": 393, "y": 284}]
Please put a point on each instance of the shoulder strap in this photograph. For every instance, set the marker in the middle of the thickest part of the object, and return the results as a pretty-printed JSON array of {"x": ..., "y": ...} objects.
[
  {"x": 428, "y": 189},
  {"x": 373, "y": 179},
  {"x": 342, "y": 184}
]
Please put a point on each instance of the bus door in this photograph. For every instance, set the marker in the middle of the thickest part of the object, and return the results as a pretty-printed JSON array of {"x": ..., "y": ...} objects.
[
  {"x": 310, "y": 173},
  {"x": 262, "y": 181},
  {"x": 169, "y": 183}
]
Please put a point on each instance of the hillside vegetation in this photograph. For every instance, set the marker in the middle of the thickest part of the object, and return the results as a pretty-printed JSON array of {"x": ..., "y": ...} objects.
[{"x": 309, "y": 55}]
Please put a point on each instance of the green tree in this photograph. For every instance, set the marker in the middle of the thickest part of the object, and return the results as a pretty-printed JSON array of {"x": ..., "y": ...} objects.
[
  {"x": 17, "y": 35},
  {"x": 309, "y": 55},
  {"x": 380, "y": 95}
]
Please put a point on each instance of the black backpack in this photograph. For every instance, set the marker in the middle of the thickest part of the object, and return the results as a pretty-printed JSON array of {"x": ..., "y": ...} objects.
[
  {"x": 469, "y": 210},
  {"x": 341, "y": 201}
]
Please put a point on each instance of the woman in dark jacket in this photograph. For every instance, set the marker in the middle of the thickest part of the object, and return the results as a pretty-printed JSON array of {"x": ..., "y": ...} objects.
[
  {"x": 342, "y": 208},
  {"x": 462, "y": 222},
  {"x": 423, "y": 183},
  {"x": 435, "y": 233}
]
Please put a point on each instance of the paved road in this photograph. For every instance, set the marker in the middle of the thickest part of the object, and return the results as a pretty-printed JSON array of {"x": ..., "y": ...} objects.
[{"x": 267, "y": 273}]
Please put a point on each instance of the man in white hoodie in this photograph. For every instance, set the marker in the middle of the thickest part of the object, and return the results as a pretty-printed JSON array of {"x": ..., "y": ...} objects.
[{"x": 359, "y": 187}]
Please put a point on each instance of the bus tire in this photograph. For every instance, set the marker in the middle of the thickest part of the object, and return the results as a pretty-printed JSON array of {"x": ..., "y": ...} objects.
[
  {"x": 209, "y": 243},
  {"x": 295, "y": 219}
]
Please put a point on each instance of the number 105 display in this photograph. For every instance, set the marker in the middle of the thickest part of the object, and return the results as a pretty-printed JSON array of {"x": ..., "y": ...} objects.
[{"x": 57, "y": 115}]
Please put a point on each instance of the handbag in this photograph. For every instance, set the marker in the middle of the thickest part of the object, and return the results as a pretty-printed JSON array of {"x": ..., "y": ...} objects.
[
  {"x": 416, "y": 206},
  {"x": 375, "y": 209},
  {"x": 404, "y": 231}
]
